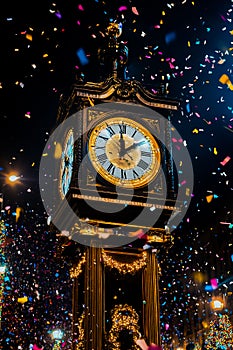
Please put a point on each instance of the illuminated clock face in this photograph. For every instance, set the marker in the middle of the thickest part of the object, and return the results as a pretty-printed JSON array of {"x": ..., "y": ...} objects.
[
  {"x": 67, "y": 159},
  {"x": 124, "y": 152}
]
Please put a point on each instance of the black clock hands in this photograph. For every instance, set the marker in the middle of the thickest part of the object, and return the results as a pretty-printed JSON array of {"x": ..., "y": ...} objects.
[
  {"x": 133, "y": 146},
  {"x": 122, "y": 146}
]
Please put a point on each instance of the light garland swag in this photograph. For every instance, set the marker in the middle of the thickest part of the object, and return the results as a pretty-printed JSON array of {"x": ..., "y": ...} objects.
[
  {"x": 75, "y": 271},
  {"x": 123, "y": 267},
  {"x": 124, "y": 317}
]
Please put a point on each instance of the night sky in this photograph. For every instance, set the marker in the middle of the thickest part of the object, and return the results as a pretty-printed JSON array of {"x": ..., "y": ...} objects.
[{"x": 187, "y": 45}]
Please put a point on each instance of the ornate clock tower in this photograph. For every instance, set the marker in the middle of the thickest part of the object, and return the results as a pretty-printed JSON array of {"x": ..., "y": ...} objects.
[{"x": 117, "y": 190}]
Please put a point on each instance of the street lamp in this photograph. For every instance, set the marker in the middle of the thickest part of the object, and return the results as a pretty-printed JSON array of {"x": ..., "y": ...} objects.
[
  {"x": 57, "y": 335},
  {"x": 10, "y": 179},
  {"x": 217, "y": 304}
]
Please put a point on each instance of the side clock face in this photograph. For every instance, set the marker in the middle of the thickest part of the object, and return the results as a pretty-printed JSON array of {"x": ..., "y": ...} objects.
[
  {"x": 67, "y": 159},
  {"x": 124, "y": 152}
]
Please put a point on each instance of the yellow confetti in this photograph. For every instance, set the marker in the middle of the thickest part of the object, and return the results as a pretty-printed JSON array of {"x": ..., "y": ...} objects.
[
  {"x": 189, "y": 44},
  {"x": 91, "y": 101},
  {"x": 58, "y": 151},
  {"x": 44, "y": 154},
  {"x": 195, "y": 131},
  {"x": 22, "y": 300},
  {"x": 215, "y": 151}
]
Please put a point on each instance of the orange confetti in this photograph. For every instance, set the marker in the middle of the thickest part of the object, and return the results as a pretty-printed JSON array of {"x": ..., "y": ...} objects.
[
  {"x": 29, "y": 37},
  {"x": 209, "y": 198},
  {"x": 224, "y": 79}
]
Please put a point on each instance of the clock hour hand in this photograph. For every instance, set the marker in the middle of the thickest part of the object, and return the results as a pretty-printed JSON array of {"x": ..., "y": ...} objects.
[{"x": 122, "y": 146}]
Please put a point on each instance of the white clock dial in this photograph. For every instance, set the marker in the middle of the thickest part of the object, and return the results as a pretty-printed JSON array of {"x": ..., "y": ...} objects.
[{"x": 124, "y": 152}]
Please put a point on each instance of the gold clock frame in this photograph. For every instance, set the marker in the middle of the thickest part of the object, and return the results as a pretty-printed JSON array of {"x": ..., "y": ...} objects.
[{"x": 148, "y": 176}]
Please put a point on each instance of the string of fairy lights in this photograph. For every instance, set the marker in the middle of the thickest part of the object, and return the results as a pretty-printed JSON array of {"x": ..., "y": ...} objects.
[
  {"x": 124, "y": 267},
  {"x": 80, "y": 343},
  {"x": 110, "y": 262}
]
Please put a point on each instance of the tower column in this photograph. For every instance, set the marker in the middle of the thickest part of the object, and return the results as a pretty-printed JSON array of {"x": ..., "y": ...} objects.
[
  {"x": 150, "y": 294},
  {"x": 94, "y": 300}
]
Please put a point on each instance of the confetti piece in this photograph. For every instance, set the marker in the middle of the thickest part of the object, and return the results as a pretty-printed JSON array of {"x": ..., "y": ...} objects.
[
  {"x": 29, "y": 37},
  {"x": 209, "y": 198},
  {"x": 82, "y": 56},
  {"x": 135, "y": 11},
  {"x": 225, "y": 80},
  {"x": 225, "y": 160},
  {"x": 22, "y": 300},
  {"x": 27, "y": 115},
  {"x": 58, "y": 151},
  {"x": 122, "y": 8},
  {"x": 80, "y": 7}
]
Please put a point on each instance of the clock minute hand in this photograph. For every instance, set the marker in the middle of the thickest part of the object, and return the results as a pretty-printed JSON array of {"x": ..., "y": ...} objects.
[{"x": 134, "y": 145}]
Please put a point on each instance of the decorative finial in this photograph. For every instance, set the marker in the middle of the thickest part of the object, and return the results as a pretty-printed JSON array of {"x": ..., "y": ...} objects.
[{"x": 114, "y": 55}]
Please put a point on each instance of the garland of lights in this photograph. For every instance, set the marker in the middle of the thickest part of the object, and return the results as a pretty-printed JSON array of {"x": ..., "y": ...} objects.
[
  {"x": 123, "y": 267},
  {"x": 123, "y": 317},
  {"x": 2, "y": 266},
  {"x": 75, "y": 271},
  {"x": 80, "y": 344},
  {"x": 220, "y": 334}
]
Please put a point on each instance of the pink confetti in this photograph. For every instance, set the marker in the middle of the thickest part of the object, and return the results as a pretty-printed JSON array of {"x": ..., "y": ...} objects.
[
  {"x": 80, "y": 7},
  {"x": 122, "y": 8},
  {"x": 183, "y": 182},
  {"x": 135, "y": 11},
  {"x": 225, "y": 161},
  {"x": 214, "y": 283}
]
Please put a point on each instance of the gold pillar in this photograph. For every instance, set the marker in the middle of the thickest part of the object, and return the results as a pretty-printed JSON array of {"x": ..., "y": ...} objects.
[
  {"x": 150, "y": 294},
  {"x": 94, "y": 300}
]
